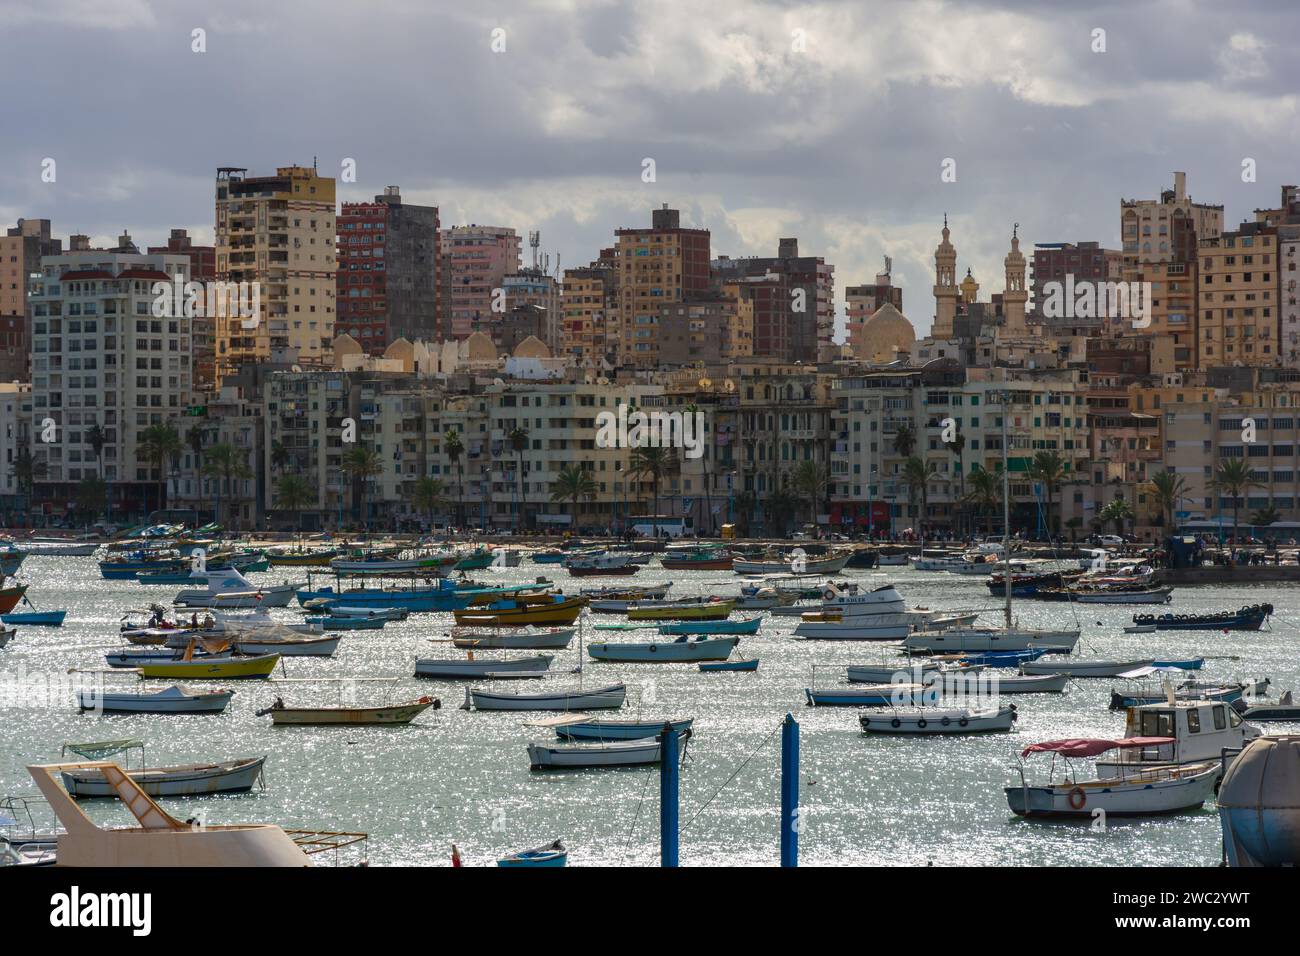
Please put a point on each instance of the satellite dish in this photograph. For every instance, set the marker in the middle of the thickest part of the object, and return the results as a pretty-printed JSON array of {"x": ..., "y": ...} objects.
[
  {"x": 497, "y": 381},
  {"x": 705, "y": 383},
  {"x": 729, "y": 385},
  {"x": 602, "y": 381}
]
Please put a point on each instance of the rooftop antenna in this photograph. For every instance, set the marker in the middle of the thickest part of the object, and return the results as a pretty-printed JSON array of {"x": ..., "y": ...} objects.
[{"x": 534, "y": 242}]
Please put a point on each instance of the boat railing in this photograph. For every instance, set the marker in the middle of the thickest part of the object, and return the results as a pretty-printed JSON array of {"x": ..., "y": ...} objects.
[{"x": 317, "y": 842}]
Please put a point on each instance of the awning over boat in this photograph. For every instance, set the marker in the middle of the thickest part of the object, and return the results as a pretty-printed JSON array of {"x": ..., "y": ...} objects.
[
  {"x": 1091, "y": 746},
  {"x": 101, "y": 749},
  {"x": 1148, "y": 670}
]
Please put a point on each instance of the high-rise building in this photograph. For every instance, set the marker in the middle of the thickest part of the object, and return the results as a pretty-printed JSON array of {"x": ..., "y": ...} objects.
[
  {"x": 662, "y": 264},
  {"x": 388, "y": 271},
  {"x": 20, "y": 257},
  {"x": 534, "y": 287},
  {"x": 475, "y": 261},
  {"x": 1167, "y": 229},
  {"x": 1239, "y": 317},
  {"x": 1087, "y": 262},
  {"x": 589, "y": 300},
  {"x": 794, "y": 309},
  {"x": 277, "y": 231}
]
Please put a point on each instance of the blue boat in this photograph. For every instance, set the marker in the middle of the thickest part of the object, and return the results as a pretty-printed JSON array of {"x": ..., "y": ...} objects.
[
  {"x": 353, "y": 623},
  {"x": 1248, "y": 618},
  {"x": 127, "y": 568},
  {"x": 1195, "y": 664},
  {"x": 1004, "y": 658},
  {"x": 553, "y": 854},
  {"x": 549, "y": 557},
  {"x": 596, "y": 729},
  {"x": 443, "y": 595},
  {"x": 712, "y": 627},
  {"x": 751, "y": 665},
  {"x": 48, "y": 618}
]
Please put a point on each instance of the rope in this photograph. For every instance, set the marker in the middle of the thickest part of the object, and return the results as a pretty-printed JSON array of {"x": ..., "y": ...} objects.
[
  {"x": 631, "y": 830},
  {"x": 743, "y": 764}
]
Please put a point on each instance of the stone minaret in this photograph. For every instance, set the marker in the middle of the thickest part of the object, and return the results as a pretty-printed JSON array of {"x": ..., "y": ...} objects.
[
  {"x": 1015, "y": 295},
  {"x": 945, "y": 286}
]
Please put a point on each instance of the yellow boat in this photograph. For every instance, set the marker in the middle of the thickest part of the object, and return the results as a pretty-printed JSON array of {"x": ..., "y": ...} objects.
[
  {"x": 227, "y": 668},
  {"x": 510, "y": 613},
  {"x": 541, "y": 596},
  {"x": 712, "y": 611}
]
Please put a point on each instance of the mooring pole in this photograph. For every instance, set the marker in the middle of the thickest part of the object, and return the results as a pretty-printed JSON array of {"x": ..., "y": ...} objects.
[
  {"x": 668, "y": 786},
  {"x": 789, "y": 791}
]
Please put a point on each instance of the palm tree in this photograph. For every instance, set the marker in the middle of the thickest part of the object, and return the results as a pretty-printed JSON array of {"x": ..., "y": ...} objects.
[
  {"x": 1169, "y": 489},
  {"x": 916, "y": 475},
  {"x": 91, "y": 495},
  {"x": 27, "y": 470},
  {"x": 781, "y": 505},
  {"x": 652, "y": 463},
  {"x": 1265, "y": 517},
  {"x": 573, "y": 483},
  {"x": 957, "y": 446},
  {"x": 293, "y": 493},
  {"x": 985, "y": 492},
  {"x": 97, "y": 438},
  {"x": 1118, "y": 511},
  {"x": 279, "y": 455},
  {"x": 455, "y": 449},
  {"x": 428, "y": 496},
  {"x": 518, "y": 437},
  {"x": 159, "y": 444},
  {"x": 905, "y": 441},
  {"x": 810, "y": 481},
  {"x": 226, "y": 464},
  {"x": 361, "y": 464},
  {"x": 1233, "y": 478},
  {"x": 1049, "y": 469}
]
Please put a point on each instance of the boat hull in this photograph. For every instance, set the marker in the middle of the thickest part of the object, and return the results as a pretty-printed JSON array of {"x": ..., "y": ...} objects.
[
  {"x": 396, "y": 715},
  {"x": 467, "y": 669},
  {"x": 250, "y": 668},
  {"x": 36, "y": 618},
  {"x": 195, "y": 780},
  {"x": 631, "y": 753},
  {"x": 1083, "y": 668},
  {"x": 164, "y": 702},
  {"x": 712, "y": 666},
  {"x": 608, "y": 730},
  {"x": 717, "y": 611},
  {"x": 555, "y": 639},
  {"x": 712, "y": 627},
  {"x": 670, "y": 652},
  {"x": 305, "y": 647},
  {"x": 604, "y": 698},
  {"x": 1141, "y": 795},
  {"x": 939, "y": 721}
]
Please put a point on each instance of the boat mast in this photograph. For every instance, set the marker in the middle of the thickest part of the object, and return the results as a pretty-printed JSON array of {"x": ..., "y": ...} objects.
[{"x": 1006, "y": 507}]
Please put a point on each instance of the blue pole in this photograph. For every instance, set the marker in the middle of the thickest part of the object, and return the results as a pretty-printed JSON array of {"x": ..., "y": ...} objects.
[
  {"x": 668, "y": 780},
  {"x": 789, "y": 791}
]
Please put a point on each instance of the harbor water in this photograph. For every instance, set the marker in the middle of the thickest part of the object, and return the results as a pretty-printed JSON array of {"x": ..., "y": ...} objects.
[{"x": 461, "y": 777}]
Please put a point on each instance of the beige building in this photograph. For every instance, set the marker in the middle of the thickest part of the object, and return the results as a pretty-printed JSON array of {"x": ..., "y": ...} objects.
[
  {"x": 1167, "y": 229},
  {"x": 1239, "y": 317},
  {"x": 279, "y": 232},
  {"x": 589, "y": 301}
]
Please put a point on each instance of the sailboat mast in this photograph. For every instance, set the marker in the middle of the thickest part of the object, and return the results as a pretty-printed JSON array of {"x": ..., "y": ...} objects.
[{"x": 1006, "y": 509}]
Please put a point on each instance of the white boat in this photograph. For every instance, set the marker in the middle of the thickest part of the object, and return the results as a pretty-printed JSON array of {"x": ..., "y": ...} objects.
[
  {"x": 620, "y": 753},
  {"x": 470, "y": 668},
  {"x": 135, "y": 656},
  {"x": 991, "y": 683},
  {"x": 940, "y": 720},
  {"x": 989, "y": 639},
  {"x": 230, "y": 589},
  {"x": 513, "y": 638},
  {"x": 686, "y": 648},
  {"x": 289, "y": 646},
  {"x": 1083, "y": 668},
  {"x": 176, "y": 699},
  {"x": 1161, "y": 595},
  {"x": 595, "y": 565},
  {"x": 434, "y": 564},
  {"x": 913, "y": 671},
  {"x": 1132, "y": 793},
  {"x": 604, "y": 729},
  {"x": 386, "y": 613},
  {"x": 183, "y": 780},
  {"x": 52, "y": 548},
  {"x": 848, "y": 631},
  {"x": 943, "y": 563},
  {"x": 1201, "y": 731},
  {"x": 607, "y": 697},
  {"x": 833, "y": 563}
]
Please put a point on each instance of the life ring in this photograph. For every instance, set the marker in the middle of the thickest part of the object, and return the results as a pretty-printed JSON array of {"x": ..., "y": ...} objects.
[
  {"x": 1078, "y": 799},
  {"x": 946, "y": 721},
  {"x": 895, "y": 722},
  {"x": 654, "y": 648},
  {"x": 962, "y": 722},
  {"x": 922, "y": 723}
]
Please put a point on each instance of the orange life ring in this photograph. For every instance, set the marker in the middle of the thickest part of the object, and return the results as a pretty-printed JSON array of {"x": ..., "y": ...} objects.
[{"x": 1078, "y": 798}]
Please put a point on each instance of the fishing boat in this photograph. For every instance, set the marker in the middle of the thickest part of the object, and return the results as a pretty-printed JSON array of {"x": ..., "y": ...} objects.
[
  {"x": 6, "y": 636},
  {"x": 370, "y": 613},
  {"x": 10, "y": 596},
  {"x": 1158, "y": 595},
  {"x": 515, "y": 638},
  {"x": 611, "y": 696},
  {"x": 172, "y": 700},
  {"x": 616, "y": 600},
  {"x": 392, "y": 562},
  {"x": 128, "y": 566},
  {"x": 991, "y": 685},
  {"x": 696, "y": 559},
  {"x": 580, "y": 727},
  {"x": 393, "y": 714},
  {"x": 960, "y": 639},
  {"x": 686, "y": 649},
  {"x": 1188, "y": 664},
  {"x": 302, "y": 557},
  {"x": 441, "y": 595},
  {"x": 516, "y": 613},
  {"x": 235, "y": 668},
  {"x": 750, "y": 626},
  {"x": 552, "y": 855},
  {"x": 548, "y": 557},
  {"x": 603, "y": 565},
  {"x": 1140, "y": 691},
  {"x": 694, "y": 610},
  {"x": 1084, "y": 667},
  {"x": 58, "y": 548},
  {"x": 823, "y": 626},
  {"x": 997, "y": 659},
  {"x": 940, "y": 720},
  {"x": 469, "y": 668},
  {"x": 589, "y": 756},
  {"x": 1134, "y": 792},
  {"x": 477, "y": 560},
  {"x": 903, "y": 671},
  {"x": 35, "y": 618},
  {"x": 866, "y": 695},
  {"x": 766, "y": 599},
  {"x": 332, "y": 623},
  {"x": 1248, "y": 618},
  {"x": 1201, "y": 731},
  {"x": 709, "y": 667},
  {"x": 771, "y": 563},
  {"x": 1284, "y": 710},
  {"x": 1026, "y": 584},
  {"x": 230, "y": 589},
  {"x": 135, "y": 656},
  {"x": 288, "y": 646},
  {"x": 181, "y": 780}
]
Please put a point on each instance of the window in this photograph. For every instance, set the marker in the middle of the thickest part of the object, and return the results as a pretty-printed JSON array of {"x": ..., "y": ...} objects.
[
  {"x": 1194, "y": 721},
  {"x": 1219, "y": 722}
]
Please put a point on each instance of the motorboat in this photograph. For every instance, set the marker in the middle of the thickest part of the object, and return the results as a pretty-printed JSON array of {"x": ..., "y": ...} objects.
[
  {"x": 288, "y": 646},
  {"x": 602, "y": 565},
  {"x": 512, "y": 638},
  {"x": 1084, "y": 667},
  {"x": 181, "y": 780},
  {"x": 986, "y": 639},
  {"x": 171, "y": 700},
  {"x": 610, "y": 696},
  {"x": 589, "y": 756},
  {"x": 230, "y": 589},
  {"x": 1201, "y": 731},
  {"x": 581, "y": 727},
  {"x": 552, "y": 855},
  {"x": 471, "y": 667},
  {"x": 923, "y": 721},
  {"x": 389, "y": 715},
  {"x": 685, "y": 649}
]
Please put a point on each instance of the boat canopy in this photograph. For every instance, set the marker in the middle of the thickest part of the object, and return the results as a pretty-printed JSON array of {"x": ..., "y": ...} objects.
[
  {"x": 102, "y": 749},
  {"x": 1091, "y": 746},
  {"x": 1148, "y": 670}
]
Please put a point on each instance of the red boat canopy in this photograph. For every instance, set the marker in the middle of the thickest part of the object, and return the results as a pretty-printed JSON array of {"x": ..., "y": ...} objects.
[{"x": 1091, "y": 747}]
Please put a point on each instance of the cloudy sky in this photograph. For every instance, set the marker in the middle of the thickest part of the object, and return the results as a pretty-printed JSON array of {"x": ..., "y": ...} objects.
[{"x": 828, "y": 121}]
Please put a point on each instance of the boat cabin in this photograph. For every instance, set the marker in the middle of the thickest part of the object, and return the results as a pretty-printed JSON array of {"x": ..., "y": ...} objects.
[{"x": 1201, "y": 731}]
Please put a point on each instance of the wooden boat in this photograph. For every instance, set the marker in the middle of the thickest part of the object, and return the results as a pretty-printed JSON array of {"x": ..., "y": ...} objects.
[
  {"x": 348, "y": 716},
  {"x": 1083, "y": 668},
  {"x": 172, "y": 700},
  {"x": 611, "y": 696},
  {"x": 990, "y": 639},
  {"x": 548, "y": 638},
  {"x": 604, "y": 729},
  {"x": 332, "y": 623},
  {"x": 239, "y": 668},
  {"x": 1160, "y": 595},
  {"x": 288, "y": 646},
  {"x": 466, "y": 668},
  {"x": 182, "y": 780},
  {"x": 301, "y": 558},
  {"x": 589, "y": 756},
  {"x": 513, "y": 613},
  {"x": 940, "y": 720},
  {"x": 476, "y": 560},
  {"x": 684, "y": 649},
  {"x": 729, "y": 665},
  {"x": 696, "y": 559},
  {"x": 834, "y": 628},
  {"x": 135, "y": 656},
  {"x": 602, "y": 565},
  {"x": 866, "y": 695},
  {"x": 1248, "y": 618},
  {"x": 548, "y": 557},
  {"x": 10, "y": 596},
  {"x": 388, "y": 563},
  {"x": 713, "y": 627},
  {"x": 682, "y": 611},
  {"x": 551, "y": 855},
  {"x": 1141, "y": 792},
  {"x": 34, "y": 618},
  {"x": 991, "y": 685},
  {"x": 832, "y": 563}
]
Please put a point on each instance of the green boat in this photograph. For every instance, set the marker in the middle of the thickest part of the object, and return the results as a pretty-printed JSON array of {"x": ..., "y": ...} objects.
[{"x": 477, "y": 560}]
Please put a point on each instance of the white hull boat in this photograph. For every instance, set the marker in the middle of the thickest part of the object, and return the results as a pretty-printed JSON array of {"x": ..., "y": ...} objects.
[
  {"x": 926, "y": 721},
  {"x": 600, "y": 698},
  {"x": 524, "y": 638},
  {"x": 1082, "y": 668},
  {"x": 991, "y": 684},
  {"x": 989, "y": 639},
  {"x": 277, "y": 596},
  {"x": 806, "y": 566},
  {"x": 173, "y": 700},
  {"x": 289, "y": 646},
  {"x": 624, "y": 753},
  {"x": 846, "y": 631},
  {"x": 1153, "y": 596},
  {"x": 1200, "y": 732},
  {"x": 189, "y": 780},
  {"x": 685, "y": 649},
  {"x": 605, "y": 730},
  {"x": 465, "y": 669},
  {"x": 1147, "y": 793}
]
